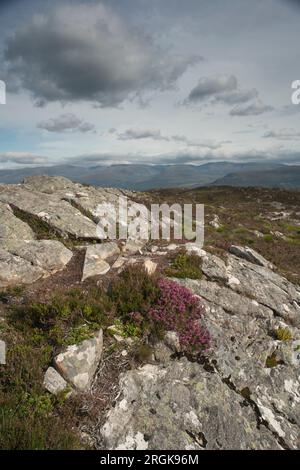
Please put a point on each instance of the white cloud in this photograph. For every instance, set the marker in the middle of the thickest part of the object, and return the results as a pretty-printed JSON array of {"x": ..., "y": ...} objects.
[
  {"x": 66, "y": 122},
  {"x": 251, "y": 109},
  {"x": 22, "y": 158}
]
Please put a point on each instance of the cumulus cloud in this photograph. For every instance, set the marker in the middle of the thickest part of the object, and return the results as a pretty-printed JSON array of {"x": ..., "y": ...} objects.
[
  {"x": 66, "y": 122},
  {"x": 156, "y": 134},
  {"x": 21, "y": 158},
  {"x": 137, "y": 134},
  {"x": 283, "y": 134},
  {"x": 226, "y": 90},
  {"x": 86, "y": 52},
  {"x": 251, "y": 109},
  {"x": 210, "y": 87}
]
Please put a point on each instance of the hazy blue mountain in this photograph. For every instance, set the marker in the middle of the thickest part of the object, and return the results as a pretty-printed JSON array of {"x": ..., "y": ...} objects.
[
  {"x": 142, "y": 177},
  {"x": 285, "y": 177}
]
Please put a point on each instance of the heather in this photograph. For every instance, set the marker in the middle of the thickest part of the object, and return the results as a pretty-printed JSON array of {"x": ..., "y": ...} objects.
[
  {"x": 149, "y": 306},
  {"x": 179, "y": 310}
]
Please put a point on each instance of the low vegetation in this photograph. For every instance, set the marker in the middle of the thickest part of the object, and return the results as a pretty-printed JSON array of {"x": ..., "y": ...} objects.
[
  {"x": 185, "y": 265},
  {"x": 283, "y": 334},
  {"x": 140, "y": 305},
  {"x": 30, "y": 418},
  {"x": 149, "y": 306}
]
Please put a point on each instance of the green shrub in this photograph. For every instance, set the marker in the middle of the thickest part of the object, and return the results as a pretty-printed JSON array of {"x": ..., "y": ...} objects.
[
  {"x": 272, "y": 360},
  {"x": 64, "y": 320},
  {"x": 268, "y": 238},
  {"x": 185, "y": 266},
  {"x": 134, "y": 291},
  {"x": 28, "y": 418}
]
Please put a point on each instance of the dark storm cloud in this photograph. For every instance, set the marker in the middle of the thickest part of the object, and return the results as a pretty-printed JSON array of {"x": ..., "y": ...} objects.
[
  {"x": 86, "y": 52},
  {"x": 66, "y": 122}
]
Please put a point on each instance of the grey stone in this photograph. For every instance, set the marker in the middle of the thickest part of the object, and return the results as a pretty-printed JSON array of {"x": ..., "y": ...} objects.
[
  {"x": 215, "y": 223},
  {"x": 266, "y": 287},
  {"x": 104, "y": 250},
  {"x": 25, "y": 261},
  {"x": 191, "y": 247},
  {"x": 171, "y": 339},
  {"x": 181, "y": 406},
  {"x": 94, "y": 264},
  {"x": 250, "y": 255},
  {"x": 50, "y": 255},
  {"x": 214, "y": 268},
  {"x": 59, "y": 214},
  {"x": 53, "y": 381},
  {"x": 15, "y": 270},
  {"x": 2, "y": 352},
  {"x": 172, "y": 247},
  {"x": 11, "y": 227},
  {"x": 79, "y": 362}
]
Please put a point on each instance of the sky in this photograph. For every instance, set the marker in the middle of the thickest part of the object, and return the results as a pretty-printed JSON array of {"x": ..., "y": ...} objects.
[{"x": 138, "y": 81}]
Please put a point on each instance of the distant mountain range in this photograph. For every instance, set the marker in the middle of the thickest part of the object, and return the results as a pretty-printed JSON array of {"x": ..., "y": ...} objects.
[
  {"x": 284, "y": 176},
  {"x": 144, "y": 177}
]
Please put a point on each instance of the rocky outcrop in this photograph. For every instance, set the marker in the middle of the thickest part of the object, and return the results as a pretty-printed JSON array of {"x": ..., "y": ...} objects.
[
  {"x": 250, "y": 255},
  {"x": 70, "y": 209},
  {"x": 244, "y": 393},
  {"x": 11, "y": 227},
  {"x": 52, "y": 206},
  {"x": 25, "y": 261},
  {"x": 183, "y": 407}
]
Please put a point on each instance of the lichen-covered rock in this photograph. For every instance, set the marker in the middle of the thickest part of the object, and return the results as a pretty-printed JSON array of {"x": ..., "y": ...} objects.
[
  {"x": 25, "y": 261},
  {"x": 182, "y": 406},
  {"x": 54, "y": 382},
  {"x": 15, "y": 270},
  {"x": 250, "y": 255},
  {"x": 246, "y": 393},
  {"x": 79, "y": 362},
  {"x": 11, "y": 227},
  {"x": 266, "y": 287},
  {"x": 59, "y": 214}
]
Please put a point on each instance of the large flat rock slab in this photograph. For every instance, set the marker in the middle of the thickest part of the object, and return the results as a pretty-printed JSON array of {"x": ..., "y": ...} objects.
[
  {"x": 183, "y": 407},
  {"x": 15, "y": 270},
  {"x": 79, "y": 362},
  {"x": 59, "y": 214},
  {"x": 26, "y": 261},
  {"x": 70, "y": 209}
]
